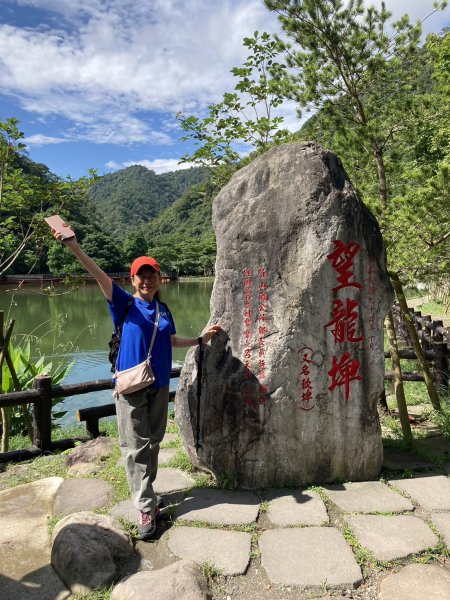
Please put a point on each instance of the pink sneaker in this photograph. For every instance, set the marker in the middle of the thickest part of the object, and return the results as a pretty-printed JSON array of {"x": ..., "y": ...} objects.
[{"x": 147, "y": 525}]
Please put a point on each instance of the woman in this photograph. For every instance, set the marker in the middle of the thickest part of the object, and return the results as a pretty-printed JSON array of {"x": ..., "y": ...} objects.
[{"x": 141, "y": 415}]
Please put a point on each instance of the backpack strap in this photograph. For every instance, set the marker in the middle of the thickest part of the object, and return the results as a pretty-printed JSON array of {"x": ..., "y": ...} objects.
[{"x": 122, "y": 320}]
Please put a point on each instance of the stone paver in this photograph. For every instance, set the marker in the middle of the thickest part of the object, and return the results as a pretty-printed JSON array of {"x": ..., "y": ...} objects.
[
  {"x": 435, "y": 445},
  {"x": 25, "y": 570},
  {"x": 169, "y": 437},
  {"x": 166, "y": 455},
  {"x": 225, "y": 507},
  {"x": 399, "y": 460},
  {"x": 389, "y": 538},
  {"x": 171, "y": 480},
  {"x": 74, "y": 495},
  {"x": 442, "y": 522},
  {"x": 416, "y": 582},
  {"x": 182, "y": 580},
  {"x": 301, "y": 507},
  {"x": 228, "y": 551},
  {"x": 431, "y": 492},
  {"x": 310, "y": 557},
  {"x": 366, "y": 497},
  {"x": 126, "y": 510}
]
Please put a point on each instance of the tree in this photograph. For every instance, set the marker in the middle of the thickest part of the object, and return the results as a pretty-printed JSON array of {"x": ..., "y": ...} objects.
[
  {"x": 352, "y": 70},
  {"x": 134, "y": 245},
  {"x": 368, "y": 80},
  {"x": 246, "y": 116},
  {"x": 420, "y": 207},
  {"x": 28, "y": 192}
]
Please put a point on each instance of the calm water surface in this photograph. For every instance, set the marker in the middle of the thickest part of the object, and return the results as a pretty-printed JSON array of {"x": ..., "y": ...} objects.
[{"x": 76, "y": 326}]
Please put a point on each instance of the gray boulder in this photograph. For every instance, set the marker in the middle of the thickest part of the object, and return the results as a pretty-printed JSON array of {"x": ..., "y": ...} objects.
[
  {"x": 88, "y": 550},
  {"x": 290, "y": 389},
  {"x": 181, "y": 580},
  {"x": 93, "y": 451}
]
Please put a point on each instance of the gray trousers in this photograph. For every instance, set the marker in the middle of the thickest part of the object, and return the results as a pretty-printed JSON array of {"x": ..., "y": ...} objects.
[{"x": 142, "y": 420}]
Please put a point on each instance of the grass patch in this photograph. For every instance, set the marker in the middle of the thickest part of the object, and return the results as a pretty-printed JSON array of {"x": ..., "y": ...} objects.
[
  {"x": 181, "y": 461},
  {"x": 321, "y": 492},
  {"x": 131, "y": 529},
  {"x": 172, "y": 427},
  {"x": 19, "y": 442},
  {"x": 437, "y": 553},
  {"x": 51, "y": 524},
  {"x": 433, "y": 307},
  {"x": 363, "y": 557},
  {"x": 53, "y": 465},
  {"x": 209, "y": 571},
  {"x": 98, "y": 594},
  {"x": 204, "y": 480},
  {"x": 442, "y": 417},
  {"x": 115, "y": 475}
]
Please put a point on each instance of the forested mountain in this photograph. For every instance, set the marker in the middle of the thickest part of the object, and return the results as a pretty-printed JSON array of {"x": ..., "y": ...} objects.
[
  {"x": 182, "y": 236},
  {"x": 136, "y": 195}
]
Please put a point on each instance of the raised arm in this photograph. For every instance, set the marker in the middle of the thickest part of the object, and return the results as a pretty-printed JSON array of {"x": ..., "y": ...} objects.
[{"x": 103, "y": 280}]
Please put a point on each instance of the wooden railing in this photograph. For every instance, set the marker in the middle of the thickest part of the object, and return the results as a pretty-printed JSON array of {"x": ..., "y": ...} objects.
[
  {"x": 435, "y": 342},
  {"x": 41, "y": 397}
]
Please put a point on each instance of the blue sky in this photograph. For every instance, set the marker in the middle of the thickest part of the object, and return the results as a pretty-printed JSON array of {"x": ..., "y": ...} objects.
[{"x": 97, "y": 83}]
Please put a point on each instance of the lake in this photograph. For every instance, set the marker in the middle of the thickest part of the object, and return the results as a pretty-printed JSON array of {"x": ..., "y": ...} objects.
[{"x": 76, "y": 326}]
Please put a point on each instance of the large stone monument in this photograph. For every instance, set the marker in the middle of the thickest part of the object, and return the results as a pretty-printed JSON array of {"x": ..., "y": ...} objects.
[{"x": 289, "y": 391}]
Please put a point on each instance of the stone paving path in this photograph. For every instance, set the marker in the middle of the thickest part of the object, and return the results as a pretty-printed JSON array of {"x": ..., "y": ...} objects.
[{"x": 299, "y": 540}]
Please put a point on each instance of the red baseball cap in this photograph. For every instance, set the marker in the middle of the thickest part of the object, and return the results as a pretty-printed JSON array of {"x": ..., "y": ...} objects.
[{"x": 144, "y": 261}]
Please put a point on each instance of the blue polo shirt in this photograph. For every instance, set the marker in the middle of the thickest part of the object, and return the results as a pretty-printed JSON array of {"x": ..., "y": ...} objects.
[{"x": 137, "y": 333}]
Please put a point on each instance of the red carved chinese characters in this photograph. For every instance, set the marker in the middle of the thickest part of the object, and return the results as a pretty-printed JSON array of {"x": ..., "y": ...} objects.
[
  {"x": 342, "y": 262},
  {"x": 247, "y": 388},
  {"x": 306, "y": 386},
  {"x": 262, "y": 330},
  {"x": 345, "y": 317},
  {"x": 372, "y": 305},
  {"x": 343, "y": 371},
  {"x": 255, "y": 391}
]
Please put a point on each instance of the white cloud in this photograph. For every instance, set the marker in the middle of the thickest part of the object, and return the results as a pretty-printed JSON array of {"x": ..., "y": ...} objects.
[
  {"x": 42, "y": 140},
  {"x": 158, "y": 165},
  {"x": 107, "y": 64},
  {"x": 125, "y": 56}
]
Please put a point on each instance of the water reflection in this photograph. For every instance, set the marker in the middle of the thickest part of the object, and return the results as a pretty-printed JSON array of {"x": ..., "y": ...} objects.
[{"x": 76, "y": 326}]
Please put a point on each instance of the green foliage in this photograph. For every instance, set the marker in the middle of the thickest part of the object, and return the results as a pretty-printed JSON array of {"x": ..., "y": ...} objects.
[
  {"x": 182, "y": 236},
  {"x": 382, "y": 106},
  {"x": 26, "y": 369},
  {"x": 442, "y": 417},
  {"x": 28, "y": 192},
  {"x": 246, "y": 115},
  {"x": 209, "y": 571},
  {"x": 128, "y": 198}
]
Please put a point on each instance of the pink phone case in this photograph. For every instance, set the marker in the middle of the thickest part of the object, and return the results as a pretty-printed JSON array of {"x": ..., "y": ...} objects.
[{"x": 56, "y": 223}]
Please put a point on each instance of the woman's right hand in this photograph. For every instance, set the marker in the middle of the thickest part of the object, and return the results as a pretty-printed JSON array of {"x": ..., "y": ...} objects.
[{"x": 57, "y": 234}]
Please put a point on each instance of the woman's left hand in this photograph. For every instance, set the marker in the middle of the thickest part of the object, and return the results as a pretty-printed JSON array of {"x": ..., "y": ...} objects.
[{"x": 210, "y": 333}]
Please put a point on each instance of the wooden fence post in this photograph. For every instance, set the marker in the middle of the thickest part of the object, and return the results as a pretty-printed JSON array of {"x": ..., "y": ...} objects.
[
  {"x": 434, "y": 397},
  {"x": 441, "y": 356},
  {"x": 397, "y": 379},
  {"x": 42, "y": 416}
]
